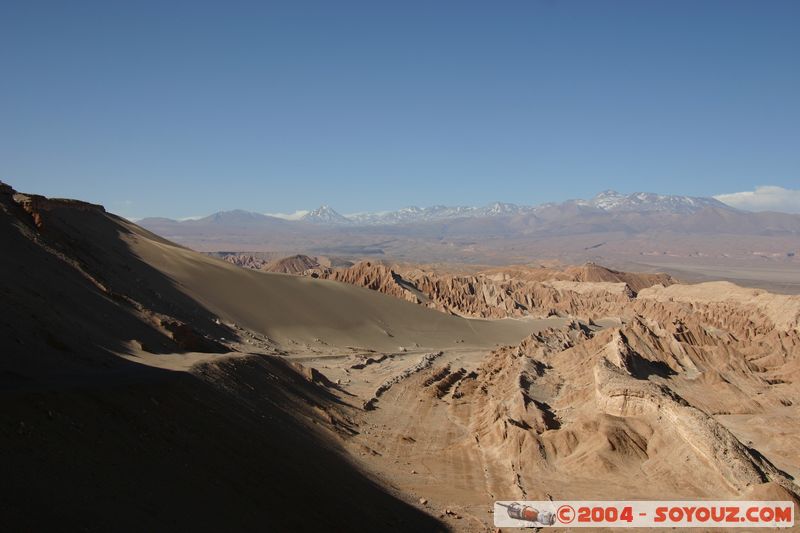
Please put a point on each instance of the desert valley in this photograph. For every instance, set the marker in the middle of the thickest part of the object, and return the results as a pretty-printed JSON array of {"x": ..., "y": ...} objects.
[
  {"x": 147, "y": 386},
  {"x": 399, "y": 266}
]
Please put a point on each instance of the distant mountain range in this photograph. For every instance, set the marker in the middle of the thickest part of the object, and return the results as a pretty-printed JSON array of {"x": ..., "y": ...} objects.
[
  {"x": 608, "y": 201},
  {"x": 607, "y": 227},
  {"x": 646, "y": 201},
  {"x": 611, "y": 201}
]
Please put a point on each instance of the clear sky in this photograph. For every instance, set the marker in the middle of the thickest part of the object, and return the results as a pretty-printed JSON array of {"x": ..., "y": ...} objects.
[{"x": 185, "y": 108}]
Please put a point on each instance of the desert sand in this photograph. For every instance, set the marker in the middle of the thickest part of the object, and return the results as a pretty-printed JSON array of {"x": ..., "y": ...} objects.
[{"x": 150, "y": 387}]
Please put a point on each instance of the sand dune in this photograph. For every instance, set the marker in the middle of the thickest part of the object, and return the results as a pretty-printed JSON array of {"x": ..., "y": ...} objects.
[
  {"x": 303, "y": 309},
  {"x": 136, "y": 288},
  {"x": 110, "y": 414}
]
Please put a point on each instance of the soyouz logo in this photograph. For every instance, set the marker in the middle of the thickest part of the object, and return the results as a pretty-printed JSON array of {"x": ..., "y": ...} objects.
[{"x": 706, "y": 514}]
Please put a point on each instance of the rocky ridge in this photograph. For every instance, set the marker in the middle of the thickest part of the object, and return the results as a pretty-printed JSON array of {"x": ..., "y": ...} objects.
[
  {"x": 590, "y": 291},
  {"x": 613, "y": 404}
]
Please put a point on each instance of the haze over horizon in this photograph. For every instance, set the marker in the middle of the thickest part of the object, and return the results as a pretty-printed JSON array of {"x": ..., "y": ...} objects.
[{"x": 155, "y": 110}]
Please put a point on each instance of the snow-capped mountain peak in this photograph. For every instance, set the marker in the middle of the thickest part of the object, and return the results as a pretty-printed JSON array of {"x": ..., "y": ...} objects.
[
  {"x": 325, "y": 215},
  {"x": 608, "y": 199},
  {"x": 646, "y": 201},
  {"x": 502, "y": 208}
]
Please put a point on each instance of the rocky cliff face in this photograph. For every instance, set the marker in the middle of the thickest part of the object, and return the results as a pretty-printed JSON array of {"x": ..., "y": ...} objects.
[
  {"x": 613, "y": 404},
  {"x": 36, "y": 205},
  {"x": 590, "y": 291},
  {"x": 245, "y": 260},
  {"x": 377, "y": 277},
  {"x": 647, "y": 396}
]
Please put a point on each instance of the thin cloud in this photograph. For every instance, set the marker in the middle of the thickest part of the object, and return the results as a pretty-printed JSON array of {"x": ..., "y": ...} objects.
[
  {"x": 764, "y": 198},
  {"x": 297, "y": 215}
]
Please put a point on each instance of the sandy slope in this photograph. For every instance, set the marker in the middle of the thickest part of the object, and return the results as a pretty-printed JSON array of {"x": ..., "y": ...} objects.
[
  {"x": 113, "y": 421},
  {"x": 301, "y": 309},
  {"x": 237, "y": 444}
]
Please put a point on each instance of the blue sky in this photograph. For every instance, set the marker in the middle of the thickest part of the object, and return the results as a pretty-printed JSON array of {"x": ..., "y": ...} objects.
[{"x": 185, "y": 108}]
